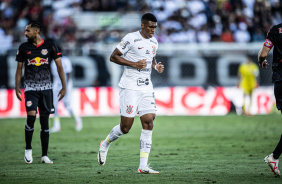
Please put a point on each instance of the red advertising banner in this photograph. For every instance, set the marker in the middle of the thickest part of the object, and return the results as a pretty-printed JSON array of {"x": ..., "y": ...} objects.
[{"x": 104, "y": 101}]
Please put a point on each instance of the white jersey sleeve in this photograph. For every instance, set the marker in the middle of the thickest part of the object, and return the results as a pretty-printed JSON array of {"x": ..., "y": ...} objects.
[
  {"x": 54, "y": 70},
  {"x": 66, "y": 64},
  {"x": 135, "y": 48},
  {"x": 126, "y": 43}
]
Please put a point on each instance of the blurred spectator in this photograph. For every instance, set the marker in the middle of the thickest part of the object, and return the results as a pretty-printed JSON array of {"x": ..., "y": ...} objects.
[
  {"x": 241, "y": 35},
  {"x": 203, "y": 35},
  {"x": 6, "y": 40},
  {"x": 227, "y": 35},
  {"x": 179, "y": 21}
]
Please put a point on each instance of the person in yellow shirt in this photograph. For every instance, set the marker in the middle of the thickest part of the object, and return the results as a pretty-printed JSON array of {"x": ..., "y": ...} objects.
[{"x": 248, "y": 73}]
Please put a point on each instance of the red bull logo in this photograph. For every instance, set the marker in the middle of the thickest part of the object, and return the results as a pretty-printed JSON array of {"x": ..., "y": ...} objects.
[
  {"x": 268, "y": 43},
  {"x": 37, "y": 61},
  {"x": 44, "y": 51}
]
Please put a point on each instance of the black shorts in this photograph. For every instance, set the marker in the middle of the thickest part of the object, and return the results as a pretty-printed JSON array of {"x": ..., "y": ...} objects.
[
  {"x": 278, "y": 94},
  {"x": 41, "y": 99}
]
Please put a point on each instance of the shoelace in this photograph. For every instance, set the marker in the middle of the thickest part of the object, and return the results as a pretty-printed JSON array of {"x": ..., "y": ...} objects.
[{"x": 148, "y": 166}]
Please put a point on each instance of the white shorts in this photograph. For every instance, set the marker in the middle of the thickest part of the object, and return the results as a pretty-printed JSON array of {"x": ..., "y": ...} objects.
[{"x": 134, "y": 101}]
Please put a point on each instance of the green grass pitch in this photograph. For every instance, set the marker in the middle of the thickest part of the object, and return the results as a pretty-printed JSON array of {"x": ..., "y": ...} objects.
[{"x": 185, "y": 149}]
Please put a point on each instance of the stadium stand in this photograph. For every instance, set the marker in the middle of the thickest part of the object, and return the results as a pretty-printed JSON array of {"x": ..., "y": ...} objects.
[{"x": 179, "y": 20}]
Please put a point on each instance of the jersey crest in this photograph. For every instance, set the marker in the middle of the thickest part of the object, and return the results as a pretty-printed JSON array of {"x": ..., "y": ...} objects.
[
  {"x": 268, "y": 43},
  {"x": 44, "y": 52},
  {"x": 29, "y": 103},
  {"x": 129, "y": 109}
]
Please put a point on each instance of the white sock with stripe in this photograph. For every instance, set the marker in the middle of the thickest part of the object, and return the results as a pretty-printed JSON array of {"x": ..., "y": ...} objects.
[
  {"x": 113, "y": 135},
  {"x": 145, "y": 146}
]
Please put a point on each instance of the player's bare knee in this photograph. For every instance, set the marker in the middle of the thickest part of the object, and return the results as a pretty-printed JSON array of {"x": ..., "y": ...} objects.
[
  {"x": 31, "y": 113},
  {"x": 150, "y": 126},
  {"x": 124, "y": 130}
]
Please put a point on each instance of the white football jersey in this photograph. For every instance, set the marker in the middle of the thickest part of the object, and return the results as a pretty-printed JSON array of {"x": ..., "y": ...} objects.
[
  {"x": 57, "y": 85},
  {"x": 135, "y": 48},
  {"x": 67, "y": 66}
]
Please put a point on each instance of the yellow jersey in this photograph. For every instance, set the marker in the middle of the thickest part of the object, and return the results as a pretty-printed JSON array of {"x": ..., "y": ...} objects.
[{"x": 248, "y": 73}]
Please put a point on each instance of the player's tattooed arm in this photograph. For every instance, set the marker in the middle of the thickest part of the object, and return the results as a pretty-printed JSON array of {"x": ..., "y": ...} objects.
[
  {"x": 18, "y": 80},
  {"x": 61, "y": 73},
  {"x": 116, "y": 58},
  {"x": 157, "y": 66}
]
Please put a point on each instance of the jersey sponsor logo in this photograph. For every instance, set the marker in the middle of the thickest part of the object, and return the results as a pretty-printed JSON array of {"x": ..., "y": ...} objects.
[
  {"x": 280, "y": 30},
  {"x": 129, "y": 109},
  {"x": 140, "y": 47},
  {"x": 154, "y": 49},
  {"x": 153, "y": 42},
  {"x": 268, "y": 43},
  {"x": 29, "y": 52},
  {"x": 123, "y": 45},
  {"x": 44, "y": 52},
  {"x": 148, "y": 145},
  {"x": 144, "y": 70},
  {"x": 37, "y": 61},
  {"x": 29, "y": 103},
  {"x": 137, "y": 40},
  {"x": 147, "y": 52},
  {"x": 141, "y": 81}
]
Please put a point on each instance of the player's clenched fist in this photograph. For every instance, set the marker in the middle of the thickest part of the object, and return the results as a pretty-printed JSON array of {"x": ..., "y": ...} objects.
[
  {"x": 140, "y": 64},
  {"x": 264, "y": 64},
  {"x": 160, "y": 67}
]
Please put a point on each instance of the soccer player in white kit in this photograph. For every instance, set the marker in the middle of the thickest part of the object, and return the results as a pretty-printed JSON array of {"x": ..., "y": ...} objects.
[
  {"x": 136, "y": 52},
  {"x": 67, "y": 100}
]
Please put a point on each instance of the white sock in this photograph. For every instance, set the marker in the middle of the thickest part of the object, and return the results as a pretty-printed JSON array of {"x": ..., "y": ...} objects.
[
  {"x": 78, "y": 119},
  {"x": 145, "y": 146},
  {"x": 113, "y": 135},
  {"x": 57, "y": 123}
]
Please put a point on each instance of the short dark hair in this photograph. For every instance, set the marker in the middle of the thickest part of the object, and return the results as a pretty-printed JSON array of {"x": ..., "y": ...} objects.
[
  {"x": 36, "y": 24},
  {"x": 149, "y": 17}
]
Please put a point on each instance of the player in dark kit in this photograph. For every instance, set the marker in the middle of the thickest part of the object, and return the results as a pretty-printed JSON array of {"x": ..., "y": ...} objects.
[
  {"x": 274, "y": 38},
  {"x": 36, "y": 55}
]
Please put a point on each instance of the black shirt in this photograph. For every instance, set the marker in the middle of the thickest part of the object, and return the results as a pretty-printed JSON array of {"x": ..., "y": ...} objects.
[
  {"x": 274, "y": 38},
  {"x": 37, "y": 60}
]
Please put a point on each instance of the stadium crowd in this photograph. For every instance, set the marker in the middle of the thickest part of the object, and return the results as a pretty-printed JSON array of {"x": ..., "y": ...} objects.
[{"x": 180, "y": 21}]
